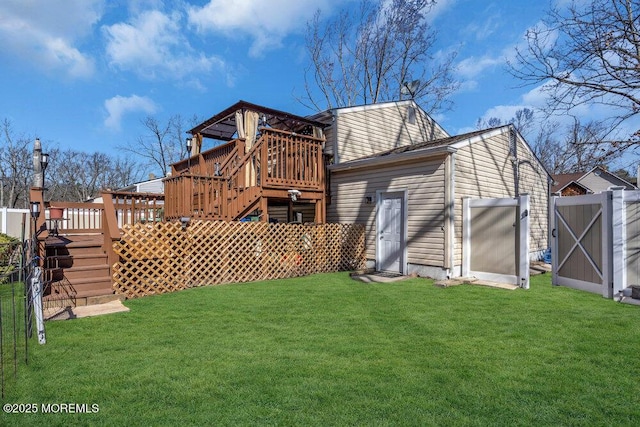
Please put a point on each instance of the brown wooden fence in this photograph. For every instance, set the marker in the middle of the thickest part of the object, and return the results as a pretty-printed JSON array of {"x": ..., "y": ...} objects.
[{"x": 166, "y": 257}]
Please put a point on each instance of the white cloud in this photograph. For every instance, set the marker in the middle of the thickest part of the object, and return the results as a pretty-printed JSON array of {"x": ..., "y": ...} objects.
[
  {"x": 472, "y": 67},
  {"x": 43, "y": 34},
  {"x": 267, "y": 23},
  {"x": 152, "y": 45},
  {"x": 118, "y": 106}
]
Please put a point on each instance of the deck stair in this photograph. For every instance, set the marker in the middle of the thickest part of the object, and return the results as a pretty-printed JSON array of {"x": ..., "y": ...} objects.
[{"x": 76, "y": 271}]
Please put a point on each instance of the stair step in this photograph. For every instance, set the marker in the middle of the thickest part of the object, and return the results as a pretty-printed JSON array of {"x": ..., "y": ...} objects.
[
  {"x": 85, "y": 283},
  {"x": 81, "y": 300},
  {"x": 73, "y": 261},
  {"x": 75, "y": 274}
]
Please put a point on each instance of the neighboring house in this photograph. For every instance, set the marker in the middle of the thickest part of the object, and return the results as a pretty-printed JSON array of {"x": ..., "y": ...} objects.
[
  {"x": 427, "y": 175},
  {"x": 153, "y": 186},
  {"x": 596, "y": 180}
]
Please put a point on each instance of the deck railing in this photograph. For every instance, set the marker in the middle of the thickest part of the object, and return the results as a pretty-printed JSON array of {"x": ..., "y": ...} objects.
[
  {"x": 195, "y": 196},
  {"x": 206, "y": 163},
  {"x": 292, "y": 161},
  {"x": 277, "y": 160},
  {"x": 106, "y": 217}
]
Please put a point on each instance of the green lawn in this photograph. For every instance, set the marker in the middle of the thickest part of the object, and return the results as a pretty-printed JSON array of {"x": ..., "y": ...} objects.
[{"x": 326, "y": 350}]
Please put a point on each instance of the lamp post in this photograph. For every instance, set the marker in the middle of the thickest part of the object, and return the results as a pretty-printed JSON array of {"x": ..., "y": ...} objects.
[
  {"x": 35, "y": 214},
  {"x": 189, "y": 146},
  {"x": 44, "y": 162}
]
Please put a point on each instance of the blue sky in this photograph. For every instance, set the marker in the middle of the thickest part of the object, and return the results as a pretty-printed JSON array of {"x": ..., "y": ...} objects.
[{"x": 81, "y": 74}]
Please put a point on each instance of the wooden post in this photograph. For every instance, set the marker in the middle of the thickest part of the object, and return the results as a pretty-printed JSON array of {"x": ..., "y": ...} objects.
[
  {"x": 110, "y": 229},
  {"x": 290, "y": 211},
  {"x": 264, "y": 208}
]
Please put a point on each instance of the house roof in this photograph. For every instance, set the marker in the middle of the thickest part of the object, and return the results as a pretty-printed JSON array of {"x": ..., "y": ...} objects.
[
  {"x": 430, "y": 148},
  {"x": 422, "y": 149},
  {"x": 431, "y": 144},
  {"x": 561, "y": 181},
  {"x": 222, "y": 126}
]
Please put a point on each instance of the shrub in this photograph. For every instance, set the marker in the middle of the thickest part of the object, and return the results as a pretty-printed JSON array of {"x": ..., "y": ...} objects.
[{"x": 9, "y": 255}]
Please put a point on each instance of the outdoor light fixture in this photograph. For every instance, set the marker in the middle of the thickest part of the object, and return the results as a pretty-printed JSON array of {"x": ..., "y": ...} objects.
[
  {"x": 44, "y": 161},
  {"x": 189, "y": 145},
  {"x": 35, "y": 209},
  {"x": 185, "y": 221},
  {"x": 294, "y": 194}
]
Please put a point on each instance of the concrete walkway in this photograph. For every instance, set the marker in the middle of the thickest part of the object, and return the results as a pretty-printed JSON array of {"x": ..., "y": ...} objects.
[{"x": 85, "y": 311}]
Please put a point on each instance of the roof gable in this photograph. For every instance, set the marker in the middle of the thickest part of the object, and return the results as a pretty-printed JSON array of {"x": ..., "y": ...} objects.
[{"x": 327, "y": 116}]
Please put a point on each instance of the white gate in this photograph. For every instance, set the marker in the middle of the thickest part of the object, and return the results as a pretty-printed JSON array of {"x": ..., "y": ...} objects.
[
  {"x": 581, "y": 245},
  {"x": 495, "y": 239},
  {"x": 595, "y": 241}
]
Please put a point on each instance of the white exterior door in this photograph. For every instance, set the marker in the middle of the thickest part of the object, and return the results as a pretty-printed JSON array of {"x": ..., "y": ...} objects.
[{"x": 390, "y": 254}]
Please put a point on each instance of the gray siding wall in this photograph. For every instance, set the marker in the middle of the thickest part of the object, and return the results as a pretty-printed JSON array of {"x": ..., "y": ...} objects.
[
  {"x": 424, "y": 182},
  {"x": 368, "y": 130},
  {"x": 484, "y": 170},
  {"x": 155, "y": 186}
]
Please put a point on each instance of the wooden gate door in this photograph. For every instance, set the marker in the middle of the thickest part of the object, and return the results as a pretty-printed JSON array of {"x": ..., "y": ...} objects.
[{"x": 580, "y": 251}]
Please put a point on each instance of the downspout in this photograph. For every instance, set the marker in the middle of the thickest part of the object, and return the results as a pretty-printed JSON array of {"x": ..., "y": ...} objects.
[
  {"x": 513, "y": 148},
  {"x": 336, "y": 153}
]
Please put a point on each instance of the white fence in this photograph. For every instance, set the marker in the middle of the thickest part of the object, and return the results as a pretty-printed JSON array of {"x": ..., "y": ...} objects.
[
  {"x": 14, "y": 221},
  {"x": 596, "y": 241},
  {"x": 495, "y": 239}
]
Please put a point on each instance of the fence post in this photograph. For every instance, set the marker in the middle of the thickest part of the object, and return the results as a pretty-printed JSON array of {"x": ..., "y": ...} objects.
[
  {"x": 36, "y": 295},
  {"x": 4, "y": 220},
  {"x": 618, "y": 240},
  {"x": 524, "y": 240},
  {"x": 553, "y": 244}
]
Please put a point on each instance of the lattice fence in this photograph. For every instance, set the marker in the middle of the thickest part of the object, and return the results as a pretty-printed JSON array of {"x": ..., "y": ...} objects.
[{"x": 163, "y": 257}]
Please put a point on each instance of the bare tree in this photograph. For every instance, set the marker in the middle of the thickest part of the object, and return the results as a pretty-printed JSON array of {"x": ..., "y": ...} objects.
[
  {"x": 370, "y": 55},
  {"x": 523, "y": 120},
  {"x": 78, "y": 176},
  {"x": 585, "y": 54},
  {"x": 563, "y": 149},
  {"x": 161, "y": 145},
  {"x": 15, "y": 168},
  {"x": 571, "y": 151},
  {"x": 124, "y": 171}
]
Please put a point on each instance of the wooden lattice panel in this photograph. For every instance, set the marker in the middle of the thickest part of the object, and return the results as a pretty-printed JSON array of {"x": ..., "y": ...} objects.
[{"x": 164, "y": 257}]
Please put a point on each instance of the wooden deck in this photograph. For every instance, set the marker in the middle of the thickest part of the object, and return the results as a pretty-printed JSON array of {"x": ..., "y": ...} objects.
[{"x": 229, "y": 182}]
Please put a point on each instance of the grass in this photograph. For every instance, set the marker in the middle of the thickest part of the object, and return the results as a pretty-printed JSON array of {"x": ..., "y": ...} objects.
[{"x": 326, "y": 350}]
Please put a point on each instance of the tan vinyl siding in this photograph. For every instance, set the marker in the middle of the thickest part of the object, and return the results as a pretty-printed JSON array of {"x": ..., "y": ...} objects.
[
  {"x": 484, "y": 170},
  {"x": 329, "y": 135},
  {"x": 534, "y": 181},
  {"x": 366, "y": 131},
  {"x": 424, "y": 182}
]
